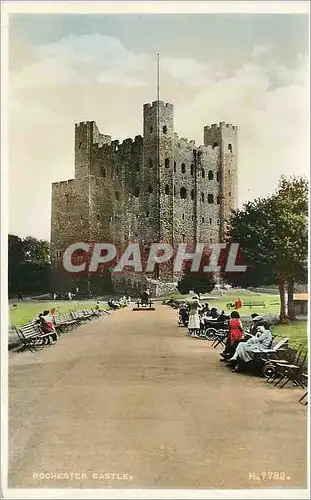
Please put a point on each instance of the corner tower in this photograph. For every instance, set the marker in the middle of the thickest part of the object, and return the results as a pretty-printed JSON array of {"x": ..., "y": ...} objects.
[{"x": 225, "y": 136}]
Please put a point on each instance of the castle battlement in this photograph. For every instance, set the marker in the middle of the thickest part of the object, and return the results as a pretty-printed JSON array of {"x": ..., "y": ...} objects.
[{"x": 220, "y": 126}]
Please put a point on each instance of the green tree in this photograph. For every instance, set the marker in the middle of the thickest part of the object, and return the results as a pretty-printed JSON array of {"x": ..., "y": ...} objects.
[
  {"x": 199, "y": 282},
  {"x": 272, "y": 233},
  {"x": 28, "y": 265}
]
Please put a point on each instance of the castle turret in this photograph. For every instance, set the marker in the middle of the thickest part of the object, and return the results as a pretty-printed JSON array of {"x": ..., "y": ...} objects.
[{"x": 224, "y": 136}]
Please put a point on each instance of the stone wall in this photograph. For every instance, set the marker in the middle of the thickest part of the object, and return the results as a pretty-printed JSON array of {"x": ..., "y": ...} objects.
[{"x": 154, "y": 188}]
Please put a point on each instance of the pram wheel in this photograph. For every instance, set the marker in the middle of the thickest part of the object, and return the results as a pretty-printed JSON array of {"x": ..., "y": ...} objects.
[{"x": 269, "y": 371}]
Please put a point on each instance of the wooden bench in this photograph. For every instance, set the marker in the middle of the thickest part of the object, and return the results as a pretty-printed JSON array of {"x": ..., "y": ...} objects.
[
  {"x": 255, "y": 303},
  {"x": 32, "y": 337}
]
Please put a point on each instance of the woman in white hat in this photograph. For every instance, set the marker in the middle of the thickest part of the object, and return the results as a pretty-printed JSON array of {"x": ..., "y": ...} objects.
[{"x": 194, "y": 318}]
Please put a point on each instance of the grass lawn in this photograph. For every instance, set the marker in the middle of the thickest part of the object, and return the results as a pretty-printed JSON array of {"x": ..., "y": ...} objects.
[
  {"x": 297, "y": 332},
  {"x": 27, "y": 311},
  {"x": 272, "y": 302}
]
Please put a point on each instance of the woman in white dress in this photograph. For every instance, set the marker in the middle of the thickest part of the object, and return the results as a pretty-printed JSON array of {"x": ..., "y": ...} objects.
[{"x": 194, "y": 318}]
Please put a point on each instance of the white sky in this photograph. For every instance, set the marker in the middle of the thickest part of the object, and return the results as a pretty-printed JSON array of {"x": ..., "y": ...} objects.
[{"x": 248, "y": 70}]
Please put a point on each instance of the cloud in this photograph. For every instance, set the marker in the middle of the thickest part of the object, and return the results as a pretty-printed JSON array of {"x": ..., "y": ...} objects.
[
  {"x": 82, "y": 60},
  {"x": 273, "y": 122}
]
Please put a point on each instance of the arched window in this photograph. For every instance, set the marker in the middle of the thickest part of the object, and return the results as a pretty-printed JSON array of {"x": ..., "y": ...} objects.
[
  {"x": 167, "y": 162},
  {"x": 210, "y": 221},
  {"x": 164, "y": 129},
  {"x": 202, "y": 220},
  {"x": 192, "y": 169},
  {"x": 218, "y": 200},
  {"x": 150, "y": 190},
  {"x": 202, "y": 196},
  {"x": 203, "y": 173},
  {"x": 210, "y": 175},
  {"x": 230, "y": 147},
  {"x": 192, "y": 194},
  {"x": 174, "y": 167},
  {"x": 183, "y": 168},
  {"x": 150, "y": 162},
  {"x": 183, "y": 193},
  {"x": 215, "y": 145},
  {"x": 167, "y": 189},
  {"x": 151, "y": 130},
  {"x": 136, "y": 192},
  {"x": 210, "y": 198}
]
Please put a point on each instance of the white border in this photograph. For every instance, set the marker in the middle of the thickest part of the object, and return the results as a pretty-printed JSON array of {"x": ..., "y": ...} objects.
[{"x": 10, "y": 7}]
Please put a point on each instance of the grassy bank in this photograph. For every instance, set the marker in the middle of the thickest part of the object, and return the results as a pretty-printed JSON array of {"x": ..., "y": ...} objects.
[{"x": 27, "y": 311}]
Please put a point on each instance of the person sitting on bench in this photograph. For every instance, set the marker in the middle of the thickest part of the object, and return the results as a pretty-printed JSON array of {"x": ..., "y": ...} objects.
[
  {"x": 145, "y": 296},
  {"x": 46, "y": 322},
  {"x": 246, "y": 351},
  {"x": 236, "y": 335}
]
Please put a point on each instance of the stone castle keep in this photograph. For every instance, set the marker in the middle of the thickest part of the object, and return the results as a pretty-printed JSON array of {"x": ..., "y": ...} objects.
[{"x": 154, "y": 188}]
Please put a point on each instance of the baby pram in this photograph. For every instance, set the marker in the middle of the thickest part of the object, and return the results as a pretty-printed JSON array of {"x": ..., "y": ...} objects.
[{"x": 183, "y": 319}]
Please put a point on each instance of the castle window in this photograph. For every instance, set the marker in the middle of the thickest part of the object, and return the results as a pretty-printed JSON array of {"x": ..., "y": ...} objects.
[
  {"x": 183, "y": 168},
  {"x": 137, "y": 167},
  {"x": 192, "y": 169},
  {"x": 150, "y": 162},
  {"x": 202, "y": 220},
  {"x": 218, "y": 222},
  {"x": 210, "y": 175},
  {"x": 167, "y": 162},
  {"x": 192, "y": 217},
  {"x": 218, "y": 200},
  {"x": 215, "y": 145},
  {"x": 81, "y": 217},
  {"x": 230, "y": 147},
  {"x": 98, "y": 217},
  {"x": 165, "y": 129},
  {"x": 183, "y": 216},
  {"x": 210, "y": 198},
  {"x": 183, "y": 193},
  {"x": 69, "y": 219},
  {"x": 167, "y": 189},
  {"x": 229, "y": 171},
  {"x": 218, "y": 176},
  {"x": 80, "y": 145},
  {"x": 229, "y": 193},
  {"x": 67, "y": 198},
  {"x": 210, "y": 221},
  {"x": 151, "y": 130},
  {"x": 147, "y": 213},
  {"x": 150, "y": 190},
  {"x": 203, "y": 173},
  {"x": 202, "y": 196},
  {"x": 117, "y": 195},
  {"x": 192, "y": 194},
  {"x": 103, "y": 172},
  {"x": 174, "y": 167},
  {"x": 183, "y": 238},
  {"x": 174, "y": 191},
  {"x": 136, "y": 192}
]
